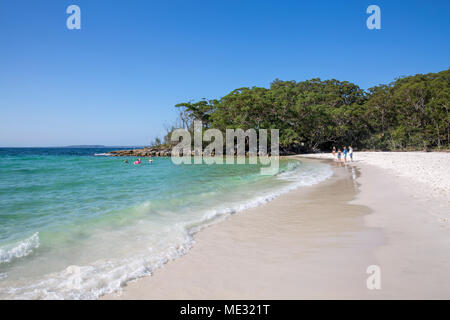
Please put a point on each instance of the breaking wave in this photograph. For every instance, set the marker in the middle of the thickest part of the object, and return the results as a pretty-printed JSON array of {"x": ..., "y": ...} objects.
[{"x": 19, "y": 249}]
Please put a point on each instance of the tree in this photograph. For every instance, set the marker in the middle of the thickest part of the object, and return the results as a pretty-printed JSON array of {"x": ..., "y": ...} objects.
[{"x": 409, "y": 113}]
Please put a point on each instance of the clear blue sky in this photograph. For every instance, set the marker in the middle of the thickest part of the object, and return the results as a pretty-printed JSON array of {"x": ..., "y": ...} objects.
[{"x": 116, "y": 81}]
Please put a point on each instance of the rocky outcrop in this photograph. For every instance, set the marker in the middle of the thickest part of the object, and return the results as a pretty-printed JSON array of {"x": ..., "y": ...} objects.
[
  {"x": 163, "y": 152},
  {"x": 145, "y": 152}
]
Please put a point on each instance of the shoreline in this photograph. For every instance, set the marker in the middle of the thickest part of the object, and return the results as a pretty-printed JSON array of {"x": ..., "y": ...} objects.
[{"x": 314, "y": 242}]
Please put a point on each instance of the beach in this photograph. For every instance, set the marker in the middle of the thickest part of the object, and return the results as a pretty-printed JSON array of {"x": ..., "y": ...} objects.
[
  {"x": 86, "y": 225},
  {"x": 390, "y": 210}
]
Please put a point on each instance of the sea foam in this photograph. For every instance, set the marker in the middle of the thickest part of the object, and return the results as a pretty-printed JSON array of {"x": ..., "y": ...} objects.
[{"x": 19, "y": 249}]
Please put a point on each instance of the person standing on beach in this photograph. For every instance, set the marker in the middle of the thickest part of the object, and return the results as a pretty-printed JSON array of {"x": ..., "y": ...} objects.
[
  {"x": 350, "y": 152},
  {"x": 333, "y": 152},
  {"x": 345, "y": 154},
  {"x": 339, "y": 154}
]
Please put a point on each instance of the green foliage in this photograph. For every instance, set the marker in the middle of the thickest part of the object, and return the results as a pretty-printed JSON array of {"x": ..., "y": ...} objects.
[{"x": 409, "y": 113}]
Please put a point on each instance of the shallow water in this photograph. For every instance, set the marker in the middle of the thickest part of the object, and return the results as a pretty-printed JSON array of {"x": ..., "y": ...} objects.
[{"x": 77, "y": 226}]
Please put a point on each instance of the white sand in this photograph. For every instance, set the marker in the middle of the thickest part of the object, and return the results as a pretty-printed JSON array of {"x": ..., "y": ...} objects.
[
  {"x": 431, "y": 169},
  {"x": 425, "y": 175},
  {"x": 415, "y": 259}
]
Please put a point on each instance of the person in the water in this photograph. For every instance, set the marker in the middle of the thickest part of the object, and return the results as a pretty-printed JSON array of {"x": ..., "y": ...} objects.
[
  {"x": 125, "y": 161},
  {"x": 138, "y": 161}
]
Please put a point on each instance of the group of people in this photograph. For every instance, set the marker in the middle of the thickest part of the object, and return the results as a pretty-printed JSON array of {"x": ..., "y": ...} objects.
[
  {"x": 340, "y": 155},
  {"x": 138, "y": 161}
]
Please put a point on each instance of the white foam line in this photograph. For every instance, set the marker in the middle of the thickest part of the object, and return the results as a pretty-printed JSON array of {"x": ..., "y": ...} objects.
[{"x": 19, "y": 249}]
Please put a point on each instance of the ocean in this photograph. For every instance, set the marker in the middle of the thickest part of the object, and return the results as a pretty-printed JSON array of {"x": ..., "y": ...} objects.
[{"x": 75, "y": 226}]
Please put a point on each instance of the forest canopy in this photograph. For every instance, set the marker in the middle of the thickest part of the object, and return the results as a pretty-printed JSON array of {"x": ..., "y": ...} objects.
[{"x": 411, "y": 113}]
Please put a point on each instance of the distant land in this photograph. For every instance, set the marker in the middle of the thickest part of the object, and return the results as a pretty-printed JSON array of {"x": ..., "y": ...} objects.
[
  {"x": 95, "y": 146},
  {"x": 98, "y": 146}
]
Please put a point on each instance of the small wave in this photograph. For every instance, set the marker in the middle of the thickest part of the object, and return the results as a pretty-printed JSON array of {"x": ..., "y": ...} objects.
[
  {"x": 19, "y": 249},
  {"x": 318, "y": 174},
  {"x": 89, "y": 282},
  {"x": 102, "y": 154}
]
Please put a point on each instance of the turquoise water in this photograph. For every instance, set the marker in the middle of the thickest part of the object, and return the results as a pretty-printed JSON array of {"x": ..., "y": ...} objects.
[{"x": 76, "y": 226}]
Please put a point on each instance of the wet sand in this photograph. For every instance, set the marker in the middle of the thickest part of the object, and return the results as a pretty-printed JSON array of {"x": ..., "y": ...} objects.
[{"x": 314, "y": 243}]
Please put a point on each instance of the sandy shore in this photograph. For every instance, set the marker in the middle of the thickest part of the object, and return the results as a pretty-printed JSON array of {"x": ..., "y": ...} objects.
[
  {"x": 425, "y": 176},
  {"x": 317, "y": 242}
]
